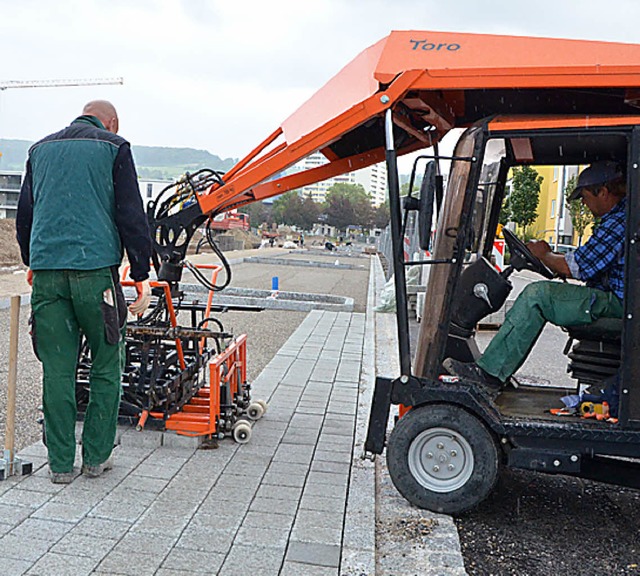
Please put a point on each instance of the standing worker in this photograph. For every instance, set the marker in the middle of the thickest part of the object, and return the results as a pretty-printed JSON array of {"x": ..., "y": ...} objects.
[{"x": 79, "y": 205}]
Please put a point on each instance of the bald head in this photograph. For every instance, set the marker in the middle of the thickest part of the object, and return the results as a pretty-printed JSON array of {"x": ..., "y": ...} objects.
[{"x": 103, "y": 111}]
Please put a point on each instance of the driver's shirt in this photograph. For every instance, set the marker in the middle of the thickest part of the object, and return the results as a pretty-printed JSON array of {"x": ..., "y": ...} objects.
[{"x": 600, "y": 262}]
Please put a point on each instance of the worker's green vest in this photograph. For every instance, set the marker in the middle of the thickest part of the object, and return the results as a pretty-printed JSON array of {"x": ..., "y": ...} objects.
[{"x": 73, "y": 198}]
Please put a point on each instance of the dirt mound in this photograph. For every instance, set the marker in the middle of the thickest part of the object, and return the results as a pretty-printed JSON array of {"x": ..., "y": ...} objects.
[{"x": 9, "y": 249}]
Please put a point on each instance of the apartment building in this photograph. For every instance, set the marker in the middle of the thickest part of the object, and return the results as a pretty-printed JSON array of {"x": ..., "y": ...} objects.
[
  {"x": 10, "y": 183},
  {"x": 373, "y": 179}
]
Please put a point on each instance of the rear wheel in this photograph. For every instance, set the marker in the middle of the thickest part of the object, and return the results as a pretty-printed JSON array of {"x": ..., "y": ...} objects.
[{"x": 442, "y": 458}]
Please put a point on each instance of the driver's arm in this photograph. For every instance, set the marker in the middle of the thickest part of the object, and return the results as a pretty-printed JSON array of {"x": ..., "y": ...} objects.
[{"x": 555, "y": 262}]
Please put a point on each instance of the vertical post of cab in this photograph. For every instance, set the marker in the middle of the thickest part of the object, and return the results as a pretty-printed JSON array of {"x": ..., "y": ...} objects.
[{"x": 397, "y": 245}]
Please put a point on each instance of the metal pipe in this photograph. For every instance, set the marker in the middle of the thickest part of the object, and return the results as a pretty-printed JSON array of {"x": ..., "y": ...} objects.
[{"x": 402, "y": 317}]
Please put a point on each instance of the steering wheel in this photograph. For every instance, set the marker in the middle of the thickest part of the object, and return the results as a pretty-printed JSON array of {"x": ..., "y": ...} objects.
[{"x": 523, "y": 258}]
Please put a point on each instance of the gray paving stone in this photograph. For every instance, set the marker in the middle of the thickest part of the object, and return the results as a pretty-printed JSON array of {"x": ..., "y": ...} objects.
[
  {"x": 293, "y": 453},
  {"x": 298, "y": 569},
  {"x": 274, "y": 506},
  {"x": 263, "y": 537},
  {"x": 20, "y": 549},
  {"x": 26, "y": 498},
  {"x": 77, "y": 544},
  {"x": 40, "y": 484},
  {"x": 249, "y": 560},
  {"x": 319, "y": 519},
  {"x": 62, "y": 512},
  {"x": 311, "y": 553},
  {"x": 317, "y": 535},
  {"x": 334, "y": 467},
  {"x": 144, "y": 484},
  {"x": 145, "y": 439},
  {"x": 14, "y": 567},
  {"x": 63, "y": 565},
  {"x": 35, "y": 528},
  {"x": 122, "y": 562},
  {"x": 330, "y": 478},
  {"x": 228, "y": 519},
  {"x": 322, "y": 503},
  {"x": 167, "y": 523},
  {"x": 284, "y": 479},
  {"x": 323, "y": 489},
  {"x": 116, "y": 509},
  {"x": 206, "y": 539},
  {"x": 278, "y": 492},
  {"x": 190, "y": 561},
  {"x": 101, "y": 528},
  {"x": 333, "y": 455},
  {"x": 267, "y": 520},
  {"x": 156, "y": 544}
]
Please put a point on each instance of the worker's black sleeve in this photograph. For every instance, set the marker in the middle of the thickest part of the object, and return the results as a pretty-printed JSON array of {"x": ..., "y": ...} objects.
[
  {"x": 131, "y": 219},
  {"x": 24, "y": 217}
]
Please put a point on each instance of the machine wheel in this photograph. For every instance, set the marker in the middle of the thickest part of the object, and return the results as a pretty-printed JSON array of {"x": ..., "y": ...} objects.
[
  {"x": 263, "y": 404},
  {"x": 241, "y": 432},
  {"x": 255, "y": 411},
  {"x": 442, "y": 458}
]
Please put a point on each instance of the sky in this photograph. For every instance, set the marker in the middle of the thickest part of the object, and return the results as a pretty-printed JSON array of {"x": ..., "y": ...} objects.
[{"x": 221, "y": 75}]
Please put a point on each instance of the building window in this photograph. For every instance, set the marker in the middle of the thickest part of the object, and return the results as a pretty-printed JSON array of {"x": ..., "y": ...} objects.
[
  {"x": 149, "y": 190},
  {"x": 556, "y": 171},
  {"x": 553, "y": 208}
]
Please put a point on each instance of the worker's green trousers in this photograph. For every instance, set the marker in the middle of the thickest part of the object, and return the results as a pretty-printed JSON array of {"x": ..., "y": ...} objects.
[
  {"x": 561, "y": 304},
  {"x": 64, "y": 304}
]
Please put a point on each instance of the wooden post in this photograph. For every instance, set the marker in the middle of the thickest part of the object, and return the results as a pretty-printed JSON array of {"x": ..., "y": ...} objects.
[{"x": 9, "y": 437}]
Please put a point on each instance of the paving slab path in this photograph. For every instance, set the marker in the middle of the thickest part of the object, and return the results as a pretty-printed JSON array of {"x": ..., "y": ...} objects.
[{"x": 296, "y": 500}]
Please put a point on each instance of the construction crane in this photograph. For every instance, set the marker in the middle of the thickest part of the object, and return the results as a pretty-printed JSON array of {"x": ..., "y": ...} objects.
[{"x": 6, "y": 84}]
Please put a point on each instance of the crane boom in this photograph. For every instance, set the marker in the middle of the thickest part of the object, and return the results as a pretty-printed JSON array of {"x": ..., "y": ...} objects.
[{"x": 6, "y": 84}]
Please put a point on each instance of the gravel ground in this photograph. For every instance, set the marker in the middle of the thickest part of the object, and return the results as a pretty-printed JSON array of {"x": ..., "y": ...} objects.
[{"x": 267, "y": 331}]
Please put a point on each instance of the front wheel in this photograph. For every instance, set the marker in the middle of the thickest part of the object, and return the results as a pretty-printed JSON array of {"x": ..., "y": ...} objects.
[{"x": 442, "y": 458}]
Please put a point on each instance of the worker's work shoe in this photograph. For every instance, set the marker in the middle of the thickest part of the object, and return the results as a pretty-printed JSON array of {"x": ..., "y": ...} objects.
[
  {"x": 61, "y": 477},
  {"x": 471, "y": 372},
  {"x": 95, "y": 471}
]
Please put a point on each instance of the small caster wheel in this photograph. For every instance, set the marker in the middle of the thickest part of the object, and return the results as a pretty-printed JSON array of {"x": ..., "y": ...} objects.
[
  {"x": 263, "y": 404},
  {"x": 255, "y": 411},
  {"x": 242, "y": 432}
]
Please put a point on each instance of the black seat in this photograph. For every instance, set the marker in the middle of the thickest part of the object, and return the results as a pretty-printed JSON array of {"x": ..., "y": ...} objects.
[
  {"x": 596, "y": 353},
  {"x": 603, "y": 329}
]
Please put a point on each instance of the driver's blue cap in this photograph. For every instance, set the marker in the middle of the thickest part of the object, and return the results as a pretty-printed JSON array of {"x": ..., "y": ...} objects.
[{"x": 595, "y": 175}]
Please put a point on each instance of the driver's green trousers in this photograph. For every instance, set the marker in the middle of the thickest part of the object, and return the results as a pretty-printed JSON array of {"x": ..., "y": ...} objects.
[{"x": 561, "y": 304}]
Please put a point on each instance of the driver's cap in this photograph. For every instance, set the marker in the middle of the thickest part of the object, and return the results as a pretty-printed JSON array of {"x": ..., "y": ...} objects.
[{"x": 597, "y": 174}]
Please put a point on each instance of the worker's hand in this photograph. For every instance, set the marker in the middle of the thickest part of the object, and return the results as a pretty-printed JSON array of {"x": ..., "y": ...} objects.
[
  {"x": 29, "y": 276},
  {"x": 144, "y": 297},
  {"x": 539, "y": 248}
]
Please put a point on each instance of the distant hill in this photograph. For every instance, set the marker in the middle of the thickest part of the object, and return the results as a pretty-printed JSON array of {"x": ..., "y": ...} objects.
[{"x": 155, "y": 162}]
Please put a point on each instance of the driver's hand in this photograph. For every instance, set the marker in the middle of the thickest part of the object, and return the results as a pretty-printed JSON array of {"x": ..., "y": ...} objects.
[{"x": 539, "y": 248}]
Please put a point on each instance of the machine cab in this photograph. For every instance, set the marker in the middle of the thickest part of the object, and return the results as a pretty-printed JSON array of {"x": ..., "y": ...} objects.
[{"x": 513, "y": 427}]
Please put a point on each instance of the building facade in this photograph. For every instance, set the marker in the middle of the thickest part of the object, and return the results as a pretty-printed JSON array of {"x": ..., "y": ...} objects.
[
  {"x": 373, "y": 179},
  {"x": 10, "y": 183}
]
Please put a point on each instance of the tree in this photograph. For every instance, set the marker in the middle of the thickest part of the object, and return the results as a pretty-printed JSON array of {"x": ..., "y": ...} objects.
[
  {"x": 259, "y": 213},
  {"x": 381, "y": 215},
  {"x": 525, "y": 195},
  {"x": 348, "y": 205},
  {"x": 292, "y": 210},
  {"x": 581, "y": 216}
]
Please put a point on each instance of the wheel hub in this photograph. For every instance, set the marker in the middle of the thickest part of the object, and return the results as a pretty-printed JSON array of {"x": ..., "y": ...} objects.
[{"x": 440, "y": 459}]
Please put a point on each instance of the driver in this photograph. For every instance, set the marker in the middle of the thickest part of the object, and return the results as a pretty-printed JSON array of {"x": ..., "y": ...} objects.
[{"x": 599, "y": 264}]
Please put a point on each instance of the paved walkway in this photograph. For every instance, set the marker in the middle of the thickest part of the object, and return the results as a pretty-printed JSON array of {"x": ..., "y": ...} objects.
[
  {"x": 295, "y": 500},
  {"x": 275, "y": 505}
]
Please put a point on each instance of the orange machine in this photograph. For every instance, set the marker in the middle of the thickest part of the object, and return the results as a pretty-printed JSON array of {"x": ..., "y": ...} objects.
[{"x": 520, "y": 101}]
